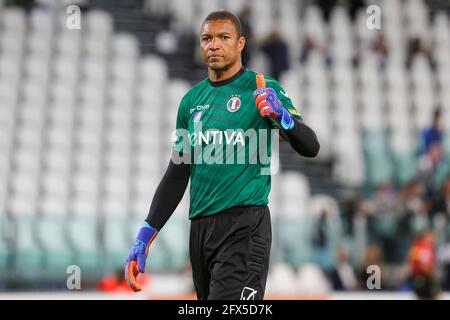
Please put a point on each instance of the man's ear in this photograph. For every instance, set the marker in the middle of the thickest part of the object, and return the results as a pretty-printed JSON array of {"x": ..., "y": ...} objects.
[{"x": 241, "y": 43}]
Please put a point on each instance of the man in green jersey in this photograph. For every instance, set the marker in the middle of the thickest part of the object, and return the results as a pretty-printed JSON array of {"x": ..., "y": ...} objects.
[{"x": 223, "y": 144}]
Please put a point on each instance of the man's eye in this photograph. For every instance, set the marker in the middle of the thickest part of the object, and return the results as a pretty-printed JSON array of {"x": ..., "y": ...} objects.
[{"x": 226, "y": 37}]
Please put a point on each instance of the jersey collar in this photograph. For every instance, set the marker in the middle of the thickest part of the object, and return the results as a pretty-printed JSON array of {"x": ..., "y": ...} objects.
[{"x": 227, "y": 81}]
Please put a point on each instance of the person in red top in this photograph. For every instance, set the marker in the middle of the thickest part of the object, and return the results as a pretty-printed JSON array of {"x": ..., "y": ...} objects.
[
  {"x": 422, "y": 262},
  {"x": 116, "y": 283}
]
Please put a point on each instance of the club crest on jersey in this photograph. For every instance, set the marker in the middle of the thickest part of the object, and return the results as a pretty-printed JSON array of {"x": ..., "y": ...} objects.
[{"x": 234, "y": 104}]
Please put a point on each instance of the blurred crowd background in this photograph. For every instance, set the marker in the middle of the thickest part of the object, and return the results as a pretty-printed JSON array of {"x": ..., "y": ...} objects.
[{"x": 86, "y": 117}]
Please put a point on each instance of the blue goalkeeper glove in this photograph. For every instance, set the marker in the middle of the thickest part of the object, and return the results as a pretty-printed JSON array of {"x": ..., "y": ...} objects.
[
  {"x": 135, "y": 262},
  {"x": 269, "y": 105}
]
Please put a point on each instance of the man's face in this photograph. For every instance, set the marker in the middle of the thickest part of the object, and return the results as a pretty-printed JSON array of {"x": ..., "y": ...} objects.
[{"x": 221, "y": 46}]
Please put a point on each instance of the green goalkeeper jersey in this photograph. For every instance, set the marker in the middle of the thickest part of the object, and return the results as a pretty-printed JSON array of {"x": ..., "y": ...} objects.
[{"x": 227, "y": 143}]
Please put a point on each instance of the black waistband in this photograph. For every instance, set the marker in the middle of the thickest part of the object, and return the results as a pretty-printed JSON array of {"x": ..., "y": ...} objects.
[{"x": 235, "y": 209}]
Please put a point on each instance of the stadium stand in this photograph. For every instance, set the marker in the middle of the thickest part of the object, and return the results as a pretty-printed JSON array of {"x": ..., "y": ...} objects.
[{"x": 83, "y": 141}]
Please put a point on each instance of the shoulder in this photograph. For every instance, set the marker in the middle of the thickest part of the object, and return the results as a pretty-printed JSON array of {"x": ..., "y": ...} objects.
[
  {"x": 250, "y": 75},
  {"x": 195, "y": 90},
  {"x": 272, "y": 83}
]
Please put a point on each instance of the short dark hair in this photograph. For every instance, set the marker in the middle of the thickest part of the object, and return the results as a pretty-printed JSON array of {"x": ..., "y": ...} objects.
[{"x": 225, "y": 15}]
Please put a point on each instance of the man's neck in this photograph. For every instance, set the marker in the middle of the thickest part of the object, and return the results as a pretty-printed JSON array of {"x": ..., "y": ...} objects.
[{"x": 221, "y": 75}]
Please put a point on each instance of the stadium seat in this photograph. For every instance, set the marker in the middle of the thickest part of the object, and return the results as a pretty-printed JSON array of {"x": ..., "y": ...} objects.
[
  {"x": 125, "y": 46},
  {"x": 28, "y": 253},
  {"x": 88, "y": 139},
  {"x": 57, "y": 160},
  {"x": 281, "y": 279},
  {"x": 347, "y": 150},
  {"x": 119, "y": 139},
  {"x": 262, "y": 28},
  {"x": 34, "y": 93},
  {"x": 83, "y": 236},
  {"x": 31, "y": 116},
  {"x": 314, "y": 25},
  {"x": 66, "y": 71},
  {"x": 183, "y": 12},
  {"x": 376, "y": 152},
  {"x": 94, "y": 70},
  {"x": 39, "y": 45},
  {"x": 55, "y": 190},
  {"x": 116, "y": 184},
  {"x": 14, "y": 19},
  {"x": 152, "y": 70},
  {"x": 117, "y": 161},
  {"x": 99, "y": 24},
  {"x": 67, "y": 45},
  {"x": 51, "y": 232},
  {"x": 371, "y": 116},
  {"x": 85, "y": 186},
  {"x": 59, "y": 137},
  {"x": 120, "y": 95},
  {"x": 311, "y": 280},
  {"x": 5, "y": 247},
  {"x": 124, "y": 70},
  {"x": 440, "y": 28},
  {"x": 24, "y": 161},
  {"x": 115, "y": 204},
  {"x": 293, "y": 240},
  {"x": 87, "y": 162},
  {"x": 117, "y": 240}
]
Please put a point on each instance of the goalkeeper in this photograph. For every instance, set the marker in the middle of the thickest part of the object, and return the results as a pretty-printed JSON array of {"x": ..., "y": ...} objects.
[{"x": 230, "y": 235}]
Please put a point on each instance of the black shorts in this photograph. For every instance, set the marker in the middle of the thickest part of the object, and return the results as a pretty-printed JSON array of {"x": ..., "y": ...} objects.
[{"x": 230, "y": 253}]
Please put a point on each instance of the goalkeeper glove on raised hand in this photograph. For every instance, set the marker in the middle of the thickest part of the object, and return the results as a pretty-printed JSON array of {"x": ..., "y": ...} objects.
[
  {"x": 135, "y": 262},
  {"x": 269, "y": 105}
]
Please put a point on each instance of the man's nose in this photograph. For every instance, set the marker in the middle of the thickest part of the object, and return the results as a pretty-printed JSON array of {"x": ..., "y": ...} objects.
[{"x": 214, "y": 44}]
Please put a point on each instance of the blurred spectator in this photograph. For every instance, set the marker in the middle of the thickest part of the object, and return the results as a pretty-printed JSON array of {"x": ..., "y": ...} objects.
[
  {"x": 320, "y": 240},
  {"x": 432, "y": 156},
  {"x": 422, "y": 262},
  {"x": 276, "y": 50},
  {"x": 432, "y": 134},
  {"x": 410, "y": 199},
  {"x": 380, "y": 48},
  {"x": 444, "y": 260},
  {"x": 309, "y": 45},
  {"x": 247, "y": 32},
  {"x": 350, "y": 208},
  {"x": 354, "y": 6},
  {"x": 376, "y": 48},
  {"x": 383, "y": 212},
  {"x": 116, "y": 282},
  {"x": 327, "y": 7},
  {"x": 442, "y": 202},
  {"x": 416, "y": 47},
  {"x": 28, "y": 5},
  {"x": 342, "y": 276}
]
